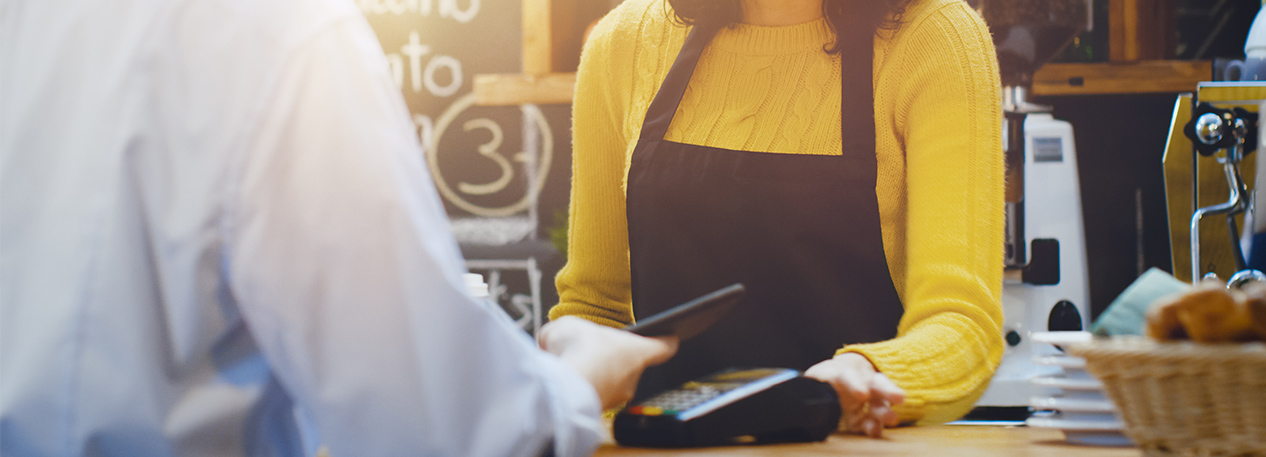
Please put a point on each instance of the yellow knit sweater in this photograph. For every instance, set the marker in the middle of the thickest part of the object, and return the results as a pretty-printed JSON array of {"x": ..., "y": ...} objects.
[{"x": 773, "y": 89}]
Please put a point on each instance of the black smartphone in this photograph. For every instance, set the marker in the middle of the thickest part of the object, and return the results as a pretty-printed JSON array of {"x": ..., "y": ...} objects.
[{"x": 690, "y": 318}]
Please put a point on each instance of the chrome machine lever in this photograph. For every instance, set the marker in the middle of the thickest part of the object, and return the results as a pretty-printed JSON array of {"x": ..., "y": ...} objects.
[{"x": 1211, "y": 130}]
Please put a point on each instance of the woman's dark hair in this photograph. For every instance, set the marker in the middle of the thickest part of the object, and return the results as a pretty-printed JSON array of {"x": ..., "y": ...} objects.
[{"x": 876, "y": 14}]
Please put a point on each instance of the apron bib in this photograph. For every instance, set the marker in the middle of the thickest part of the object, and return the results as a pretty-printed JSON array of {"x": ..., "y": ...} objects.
[{"x": 801, "y": 232}]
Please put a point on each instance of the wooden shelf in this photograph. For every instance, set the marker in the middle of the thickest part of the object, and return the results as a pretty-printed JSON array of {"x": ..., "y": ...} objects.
[
  {"x": 1138, "y": 77},
  {"x": 552, "y": 37},
  {"x": 517, "y": 89},
  {"x": 553, "y": 32},
  {"x": 1133, "y": 77}
]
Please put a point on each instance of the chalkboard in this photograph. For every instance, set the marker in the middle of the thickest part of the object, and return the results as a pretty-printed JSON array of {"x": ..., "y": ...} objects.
[
  {"x": 503, "y": 172},
  {"x": 486, "y": 161}
]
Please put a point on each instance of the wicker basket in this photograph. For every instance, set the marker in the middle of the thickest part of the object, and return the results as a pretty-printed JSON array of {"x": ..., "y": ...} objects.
[{"x": 1184, "y": 398}]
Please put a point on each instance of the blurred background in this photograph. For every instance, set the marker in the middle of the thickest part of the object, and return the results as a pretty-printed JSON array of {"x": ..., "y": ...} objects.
[{"x": 488, "y": 83}]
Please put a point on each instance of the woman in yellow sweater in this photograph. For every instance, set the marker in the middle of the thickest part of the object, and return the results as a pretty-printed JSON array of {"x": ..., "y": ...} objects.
[{"x": 842, "y": 160}]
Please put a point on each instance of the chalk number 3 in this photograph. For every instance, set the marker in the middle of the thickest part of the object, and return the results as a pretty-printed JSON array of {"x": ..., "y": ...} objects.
[{"x": 491, "y": 150}]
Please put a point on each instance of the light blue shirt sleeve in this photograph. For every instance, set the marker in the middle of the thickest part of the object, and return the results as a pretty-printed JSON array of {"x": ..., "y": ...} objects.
[
  {"x": 218, "y": 237},
  {"x": 344, "y": 268}
]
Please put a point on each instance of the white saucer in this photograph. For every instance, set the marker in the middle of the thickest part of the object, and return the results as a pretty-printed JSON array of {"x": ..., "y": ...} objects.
[
  {"x": 1069, "y": 384},
  {"x": 1112, "y": 425},
  {"x": 1062, "y": 361},
  {"x": 1099, "y": 439},
  {"x": 1062, "y": 338},
  {"x": 1095, "y": 433},
  {"x": 1067, "y": 405},
  {"x": 1073, "y": 367}
]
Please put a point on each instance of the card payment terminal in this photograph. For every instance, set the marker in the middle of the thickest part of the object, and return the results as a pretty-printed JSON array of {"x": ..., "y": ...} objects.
[{"x": 761, "y": 404}]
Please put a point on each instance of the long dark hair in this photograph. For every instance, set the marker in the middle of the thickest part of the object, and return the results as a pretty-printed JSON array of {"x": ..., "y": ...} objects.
[{"x": 875, "y": 14}]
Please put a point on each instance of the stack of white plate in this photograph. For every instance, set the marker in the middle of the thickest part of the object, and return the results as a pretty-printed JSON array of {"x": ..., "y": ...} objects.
[{"x": 1073, "y": 401}]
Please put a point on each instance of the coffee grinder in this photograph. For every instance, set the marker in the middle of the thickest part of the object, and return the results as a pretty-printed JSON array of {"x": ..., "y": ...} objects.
[{"x": 1046, "y": 287}]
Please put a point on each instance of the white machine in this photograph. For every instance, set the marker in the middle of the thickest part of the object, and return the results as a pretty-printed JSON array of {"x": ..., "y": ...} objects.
[{"x": 1046, "y": 286}]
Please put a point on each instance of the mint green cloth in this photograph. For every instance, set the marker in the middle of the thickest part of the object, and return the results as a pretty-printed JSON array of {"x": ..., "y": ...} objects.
[{"x": 1127, "y": 314}]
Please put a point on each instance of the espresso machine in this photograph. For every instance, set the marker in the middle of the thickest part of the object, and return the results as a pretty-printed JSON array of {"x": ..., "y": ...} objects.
[{"x": 1046, "y": 286}]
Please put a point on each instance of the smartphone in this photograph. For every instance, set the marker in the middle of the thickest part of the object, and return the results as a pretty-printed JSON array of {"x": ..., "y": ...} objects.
[{"x": 690, "y": 318}]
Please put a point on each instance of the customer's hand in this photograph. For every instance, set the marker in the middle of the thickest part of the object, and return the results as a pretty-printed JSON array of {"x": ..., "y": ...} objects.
[
  {"x": 866, "y": 395},
  {"x": 612, "y": 360}
]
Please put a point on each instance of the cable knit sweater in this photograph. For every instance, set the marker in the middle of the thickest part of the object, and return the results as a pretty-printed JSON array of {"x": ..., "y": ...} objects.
[{"x": 774, "y": 89}]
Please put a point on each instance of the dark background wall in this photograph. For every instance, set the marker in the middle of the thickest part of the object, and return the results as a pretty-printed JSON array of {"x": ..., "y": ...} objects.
[
  {"x": 1120, "y": 141},
  {"x": 1119, "y": 138}
]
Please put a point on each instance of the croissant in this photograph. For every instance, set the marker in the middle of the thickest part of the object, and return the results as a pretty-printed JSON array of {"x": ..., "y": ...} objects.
[
  {"x": 1256, "y": 294},
  {"x": 1208, "y": 313}
]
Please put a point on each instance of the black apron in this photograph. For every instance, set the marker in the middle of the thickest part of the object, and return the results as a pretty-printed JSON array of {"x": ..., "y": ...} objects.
[{"x": 801, "y": 232}]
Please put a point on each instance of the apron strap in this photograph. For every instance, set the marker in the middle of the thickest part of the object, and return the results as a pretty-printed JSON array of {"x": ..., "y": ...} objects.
[
  {"x": 857, "y": 98},
  {"x": 857, "y": 102},
  {"x": 664, "y": 106}
]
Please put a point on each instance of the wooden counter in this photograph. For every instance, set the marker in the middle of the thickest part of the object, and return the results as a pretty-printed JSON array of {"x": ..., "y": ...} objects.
[{"x": 940, "y": 440}]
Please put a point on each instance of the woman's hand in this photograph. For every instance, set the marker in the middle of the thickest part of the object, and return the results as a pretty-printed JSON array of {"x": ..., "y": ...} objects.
[
  {"x": 866, "y": 395},
  {"x": 610, "y": 359}
]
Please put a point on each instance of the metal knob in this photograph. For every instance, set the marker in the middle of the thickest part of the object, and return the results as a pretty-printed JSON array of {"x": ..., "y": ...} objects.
[
  {"x": 1244, "y": 277},
  {"x": 1209, "y": 128}
]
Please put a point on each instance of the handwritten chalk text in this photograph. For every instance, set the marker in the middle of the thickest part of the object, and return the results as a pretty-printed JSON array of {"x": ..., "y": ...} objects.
[{"x": 448, "y": 9}]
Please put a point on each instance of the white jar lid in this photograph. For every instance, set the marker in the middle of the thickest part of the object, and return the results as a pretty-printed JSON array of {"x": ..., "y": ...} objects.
[
  {"x": 1255, "y": 45},
  {"x": 475, "y": 285}
]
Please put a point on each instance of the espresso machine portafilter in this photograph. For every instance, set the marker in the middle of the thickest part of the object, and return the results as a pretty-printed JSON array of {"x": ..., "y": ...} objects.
[{"x": 1046, "y": 287}]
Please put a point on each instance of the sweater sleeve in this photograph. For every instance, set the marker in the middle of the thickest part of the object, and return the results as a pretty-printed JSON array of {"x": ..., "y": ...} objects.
[
  {"x": 949, "y": 115},
  {"x": 595, "y": 283}
]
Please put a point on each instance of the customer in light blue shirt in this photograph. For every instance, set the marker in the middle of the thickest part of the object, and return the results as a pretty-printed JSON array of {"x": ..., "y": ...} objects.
[{"x": 217, "y": 237}]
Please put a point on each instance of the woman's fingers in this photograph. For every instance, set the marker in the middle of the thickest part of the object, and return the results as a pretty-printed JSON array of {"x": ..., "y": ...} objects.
[
  {"x": 885, "y": 394},
  {"x": 851, "y": 382},
  {"x": 882, "y": 411},
  {"x": 871, "y": 427},
  {"x": 855, "y": 418},
  {"x": 888, "y": 389},
  {"x": 866, "y": 396},
  {"x": 856, "y": 386}
]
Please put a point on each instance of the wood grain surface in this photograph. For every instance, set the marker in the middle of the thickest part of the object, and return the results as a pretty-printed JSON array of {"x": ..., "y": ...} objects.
[{"x": 938, "y": 440}]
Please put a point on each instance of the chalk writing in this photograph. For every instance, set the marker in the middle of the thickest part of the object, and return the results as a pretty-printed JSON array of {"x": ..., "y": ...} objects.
[
  {"x": 425, "y": 42},
  {"x": 418, "y": 77},
  {"x": 448, "y": 9},
  {"x": 490, "y": 150}
]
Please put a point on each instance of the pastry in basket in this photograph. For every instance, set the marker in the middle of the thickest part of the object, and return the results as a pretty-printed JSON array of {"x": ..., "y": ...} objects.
[
  {"x": 1257, "y": 308},
  {"x": 1207, "y": 313}
]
